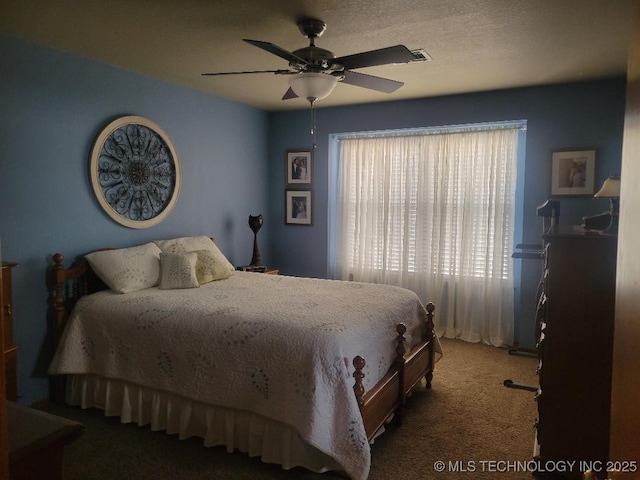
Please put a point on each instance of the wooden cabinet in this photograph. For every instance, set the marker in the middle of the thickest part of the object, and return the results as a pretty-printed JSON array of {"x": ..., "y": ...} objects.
[
  {"x": 9, "y": 347},
  {"x": 575, "y": 346}
]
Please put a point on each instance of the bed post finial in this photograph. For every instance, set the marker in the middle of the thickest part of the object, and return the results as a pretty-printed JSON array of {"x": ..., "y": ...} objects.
[
  {"x": 358, "y": 387},
  {"x": 430, "y": 309},
  {"x": 58, "y": 259}
]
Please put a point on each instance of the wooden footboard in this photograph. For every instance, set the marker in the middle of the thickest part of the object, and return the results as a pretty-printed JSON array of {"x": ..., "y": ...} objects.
[{"x": 387, "y": 399}]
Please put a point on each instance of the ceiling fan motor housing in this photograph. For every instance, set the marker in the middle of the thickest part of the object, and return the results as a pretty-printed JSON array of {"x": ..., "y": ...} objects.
[{"x": 318, "y": 59}]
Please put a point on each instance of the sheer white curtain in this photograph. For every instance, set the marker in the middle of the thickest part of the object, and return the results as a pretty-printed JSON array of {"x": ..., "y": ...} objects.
[{"x": 433, "y": 213}]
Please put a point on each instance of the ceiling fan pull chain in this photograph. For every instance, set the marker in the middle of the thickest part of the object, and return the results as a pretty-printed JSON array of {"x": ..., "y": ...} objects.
[{"x": 312, "y": 101}]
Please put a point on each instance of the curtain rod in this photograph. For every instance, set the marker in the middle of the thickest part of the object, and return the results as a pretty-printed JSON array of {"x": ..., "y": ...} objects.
[{"x": 471, "y": 127}]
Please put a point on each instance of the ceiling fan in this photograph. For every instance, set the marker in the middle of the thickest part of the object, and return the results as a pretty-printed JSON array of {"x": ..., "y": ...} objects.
[{"x": 314, "y": 71}]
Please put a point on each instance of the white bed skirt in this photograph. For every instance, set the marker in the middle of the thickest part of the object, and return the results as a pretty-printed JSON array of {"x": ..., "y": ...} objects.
[{"x": 253, "y": 434}]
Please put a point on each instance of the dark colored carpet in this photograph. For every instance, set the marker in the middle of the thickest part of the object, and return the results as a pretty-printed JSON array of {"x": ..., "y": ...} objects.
[{"x": 469, "y": 420}]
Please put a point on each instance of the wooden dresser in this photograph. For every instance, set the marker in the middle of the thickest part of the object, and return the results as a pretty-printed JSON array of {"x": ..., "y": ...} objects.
[
  {"x": 575, "y": 346},
  {"x": 7, "y": 325}
]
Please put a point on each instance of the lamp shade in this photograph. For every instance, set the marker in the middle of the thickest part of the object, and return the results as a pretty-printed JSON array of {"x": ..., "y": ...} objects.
[
  {"x": 610, "y": 188},
  {"x": 312, "y": 86}
]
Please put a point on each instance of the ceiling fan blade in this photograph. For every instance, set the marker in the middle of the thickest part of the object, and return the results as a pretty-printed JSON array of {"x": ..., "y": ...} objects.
[
  {"x": 276, "y": 50},
  {"x": 369, "y": 81},
  {"x": 277, "y": 72},
  {"x": 289, "y": 94},
  {"x": 382, "y": 56}
]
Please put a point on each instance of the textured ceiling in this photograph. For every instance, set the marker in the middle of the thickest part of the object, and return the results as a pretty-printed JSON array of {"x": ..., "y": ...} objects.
[{"x": 476, "y": 45}]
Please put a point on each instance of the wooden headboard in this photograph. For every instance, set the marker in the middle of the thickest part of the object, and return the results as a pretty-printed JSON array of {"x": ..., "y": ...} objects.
[{"x": 69, "y": 284}]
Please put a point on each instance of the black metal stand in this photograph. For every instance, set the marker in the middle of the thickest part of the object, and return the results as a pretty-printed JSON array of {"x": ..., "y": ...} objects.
[
  {"x": 522, "y": 352},
  {"x": 519, "y": 386},
  {"x": 529, "y": 252},
  {"x": 550, "y": 212}
]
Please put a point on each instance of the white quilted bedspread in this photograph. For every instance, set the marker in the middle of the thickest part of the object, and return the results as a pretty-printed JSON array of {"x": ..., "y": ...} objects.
[{"x": 275, "y": 345}]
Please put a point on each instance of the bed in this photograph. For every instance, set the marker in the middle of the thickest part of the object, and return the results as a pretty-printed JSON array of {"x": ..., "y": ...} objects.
[{"x": 299, "y": 371}]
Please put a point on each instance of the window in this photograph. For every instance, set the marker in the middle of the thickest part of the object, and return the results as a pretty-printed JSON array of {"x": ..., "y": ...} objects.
[{"x": 428, "y": 207}]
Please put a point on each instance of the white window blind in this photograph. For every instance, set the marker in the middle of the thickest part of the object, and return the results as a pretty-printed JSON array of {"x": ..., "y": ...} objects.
[{"x": 433, "y": 209}]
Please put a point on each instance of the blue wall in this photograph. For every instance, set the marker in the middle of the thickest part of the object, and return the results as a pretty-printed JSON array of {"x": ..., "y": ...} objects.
[
  {"x": 53, "y": 106},
  {"x": 588, "y": 114}
]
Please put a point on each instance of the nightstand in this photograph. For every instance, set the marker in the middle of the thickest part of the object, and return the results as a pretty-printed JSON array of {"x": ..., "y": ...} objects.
[{"x": 258, "y": 269}]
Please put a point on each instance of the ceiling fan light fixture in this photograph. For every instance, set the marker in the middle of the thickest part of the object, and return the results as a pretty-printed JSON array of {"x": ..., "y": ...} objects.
[{"x": 312, "y": 86}]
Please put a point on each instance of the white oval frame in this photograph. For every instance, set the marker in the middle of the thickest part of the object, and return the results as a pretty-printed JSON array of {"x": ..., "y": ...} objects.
[{"x": 95, "y": 155}]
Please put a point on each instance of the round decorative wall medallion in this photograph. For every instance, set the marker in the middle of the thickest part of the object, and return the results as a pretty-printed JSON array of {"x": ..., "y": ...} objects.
[{"x": 135, "y": 172}]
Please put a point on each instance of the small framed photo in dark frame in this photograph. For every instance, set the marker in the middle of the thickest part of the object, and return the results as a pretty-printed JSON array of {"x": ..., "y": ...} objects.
[
  {"x": 298, "y": 207},
  {"x": 573, "y": 172},
  {"x": 298, "y": 167}
]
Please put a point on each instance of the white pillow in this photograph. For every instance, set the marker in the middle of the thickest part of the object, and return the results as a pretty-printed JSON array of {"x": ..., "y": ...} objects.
[
  {"x": 127, "y": 269},
  {"x": 178, "y": 270},
  {"x": 223, "y": 268},
  {"x": 209, "y": 267}
]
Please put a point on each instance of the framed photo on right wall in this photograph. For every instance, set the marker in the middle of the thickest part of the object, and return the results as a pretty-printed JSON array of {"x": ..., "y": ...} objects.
[
  {"x": 298, "y": 207},
  {"x": 573, "y": 172},
  {"x": 298, "y": 168}
]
